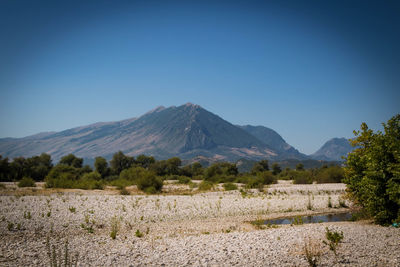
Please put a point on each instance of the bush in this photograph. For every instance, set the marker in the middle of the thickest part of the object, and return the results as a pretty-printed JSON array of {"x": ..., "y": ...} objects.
[
  {"x": 255, "y": 182},
  {"x": 205, "y": 186},
  {"x": 267, "y": 177},
  {"x": 89, "y": 184},
  {"x": 300, "y": 177},
  {"x": 26, "y": 182},
  {"x": 372, "y": 171},
  {"x": 62, "y": 176},
  {"x": 133, "y": 174},
  {"x": 333, "y": 174},
  {"x": 184, "y": 180},
  {"x": 149, "y": 183},
  {"x": 230, "y": 186},
  {"x": 121, "y": 183},
  {"x": 63, "y": 180}
]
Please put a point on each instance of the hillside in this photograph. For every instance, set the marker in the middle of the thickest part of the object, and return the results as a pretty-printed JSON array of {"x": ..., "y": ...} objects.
[
  {"x": 186, "y": 131},
  {"x": 333, "y": 150}
]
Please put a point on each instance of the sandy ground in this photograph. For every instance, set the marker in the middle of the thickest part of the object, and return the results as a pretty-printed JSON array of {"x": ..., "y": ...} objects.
[{"x": 201, "y": 229}]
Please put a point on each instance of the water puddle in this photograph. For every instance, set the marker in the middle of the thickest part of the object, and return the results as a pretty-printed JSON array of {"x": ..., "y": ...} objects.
[{"x": 333, "y": 217}]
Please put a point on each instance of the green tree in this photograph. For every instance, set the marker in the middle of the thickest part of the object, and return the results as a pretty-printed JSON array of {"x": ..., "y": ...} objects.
[
  {"x": 173, "y": 166},
  {"x": 5, "y": 170},
  {"x": 276, "y": 169},
  {"x": 72, "y": 160},
  {"x": 260, "y": 166},
  {"x": 300, "y": 167},
  {"x": 38, "y": 167},
  {"x": 18, "y": 168},
  {"x": 120, "y": 162},
  {"x": 372, "y": 171},
  {"x": 101, "y": 166},
  {"x": 145, "y": 161}
]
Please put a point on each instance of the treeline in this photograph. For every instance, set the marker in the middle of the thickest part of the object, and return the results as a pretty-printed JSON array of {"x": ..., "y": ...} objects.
[{"x": 148, "y": 174}]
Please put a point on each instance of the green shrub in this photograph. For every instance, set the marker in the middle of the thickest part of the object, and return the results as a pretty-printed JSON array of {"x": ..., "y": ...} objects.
[
  {"x": 333, "y": 174},
  {"x": 230, "y": 186},
  {"x": 267, "y": 177},
  {"x": 26, "y": 182},
  {"x": 62, "y": 176},
  {"x": 138, "y": 234},
  {"x": 372, "y": 171},
  {"x": 115, "y": 225},
  {"x": 149, "y": 183},
  {"x": 333, "y": 239},
  {"x": 184, "y": 180},
  {"x": 255, "y": 182},
  {"x": 133, "y": 174},
  {"x": 300, "y": 177},
  {"x": 205, "y": 186},
  {"x": 89, "y": 181},
  {"x": 121, "y": 183}
]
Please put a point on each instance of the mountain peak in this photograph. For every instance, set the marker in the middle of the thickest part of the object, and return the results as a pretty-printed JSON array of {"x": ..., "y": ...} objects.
[
  {"x": 191, "y": 105},
  {"x": 155, "y": 110},
  {"x": 333, "y": 149}
]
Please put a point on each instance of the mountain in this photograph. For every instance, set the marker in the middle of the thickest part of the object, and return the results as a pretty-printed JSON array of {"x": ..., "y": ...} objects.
[
  {"x": 274, "y": 141},
  {"x": 333, "y": 150},
  {"x": 187, "y": 131}
]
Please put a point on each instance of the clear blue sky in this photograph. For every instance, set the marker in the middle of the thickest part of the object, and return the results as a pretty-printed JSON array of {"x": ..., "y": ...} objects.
[{"x": 311, "y": 70}]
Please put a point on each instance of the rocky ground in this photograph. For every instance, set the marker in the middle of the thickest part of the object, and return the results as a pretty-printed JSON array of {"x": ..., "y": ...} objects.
[{"x": 201, "y": 229}]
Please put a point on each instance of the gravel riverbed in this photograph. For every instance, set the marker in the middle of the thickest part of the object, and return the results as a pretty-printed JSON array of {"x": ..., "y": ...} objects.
[{"x": 199, "y": 229}]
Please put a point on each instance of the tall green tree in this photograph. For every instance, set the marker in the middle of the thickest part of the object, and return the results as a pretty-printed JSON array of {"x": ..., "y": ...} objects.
[
  {"x": 300, "y": 167},
  {"x": 372, "y": 171},
  {"x": 5, "y": 170},
  {"x": 101, "y": 166},
  {"x": 276, "y": 169},
  {"x": 145, "y": 161},
  {"x": 72, "y": 160},
  {"x": 260, "y": 166},
  {"x": 120, "y": 162}
]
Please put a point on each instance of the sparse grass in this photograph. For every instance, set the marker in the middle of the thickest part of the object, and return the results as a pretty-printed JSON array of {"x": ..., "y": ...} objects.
[
  {"x": 298, "y": 220},
  {"x": 124, "y": 192},
  {"x": 259, "y": 224},
  {"x": 115, "y": 225},
  {"x": 72, "y": 209},
  {"x": 333, "y": 239},
  {"x": 58, "y": 259},
  {"x": 138, "y": 233},
  {"x": 205, "y": 186},
  {"x": 309, "y": 204},
  {"x": 342, "y": 203},
  {"x": 27, "y": 215},
  {"x": 329, "y": 202},
  {"x": 10, "y": 226},
  {"x": 312, "y": 252},
  {"x": 230, "y": 186}
]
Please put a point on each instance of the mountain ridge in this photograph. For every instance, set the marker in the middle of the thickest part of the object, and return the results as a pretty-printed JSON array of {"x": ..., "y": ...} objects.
[
  {"x": 187, "y": 131},
  {"x": 333, "y": 150}
]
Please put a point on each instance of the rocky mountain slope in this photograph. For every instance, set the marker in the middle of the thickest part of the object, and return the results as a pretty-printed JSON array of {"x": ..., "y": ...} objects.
[
  {"x": 333, "y": 150},
  {"x": 186, "y": 131}
]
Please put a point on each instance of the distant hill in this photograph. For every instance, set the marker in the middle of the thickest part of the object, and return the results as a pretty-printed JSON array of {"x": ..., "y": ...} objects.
[
  {"x": 274, "y": 141},
  {"x": 187, "y": 131},
  {"x": 333, "y": 149}
]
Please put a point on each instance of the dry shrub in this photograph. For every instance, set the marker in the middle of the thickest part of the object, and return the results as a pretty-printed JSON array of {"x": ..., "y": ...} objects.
[{"x": 312, "y": 251}]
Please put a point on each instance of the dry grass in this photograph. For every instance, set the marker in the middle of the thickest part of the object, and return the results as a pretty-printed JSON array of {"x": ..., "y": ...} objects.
[{"x": 312, "y": 250}]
